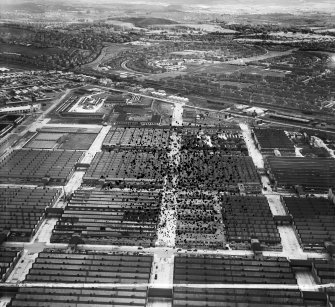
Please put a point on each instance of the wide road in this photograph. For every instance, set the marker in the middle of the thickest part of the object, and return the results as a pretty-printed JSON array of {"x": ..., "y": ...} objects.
[
  {"x": 141, "y": 285},
  {"x": 166, "y": 250}
]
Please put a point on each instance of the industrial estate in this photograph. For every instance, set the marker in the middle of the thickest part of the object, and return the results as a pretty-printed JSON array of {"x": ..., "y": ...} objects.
[{"x": 166, "y": 156}]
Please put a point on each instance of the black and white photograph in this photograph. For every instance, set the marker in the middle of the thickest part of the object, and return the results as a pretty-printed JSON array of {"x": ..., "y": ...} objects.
[{"x": 167, "y": 153}]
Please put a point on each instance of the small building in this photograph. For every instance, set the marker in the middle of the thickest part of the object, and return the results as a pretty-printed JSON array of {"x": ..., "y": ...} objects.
[
  {"x": 254, "y": 111},
  {"x": 21, "y": 109}
]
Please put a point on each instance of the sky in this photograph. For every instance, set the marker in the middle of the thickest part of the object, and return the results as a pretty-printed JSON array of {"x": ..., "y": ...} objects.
[
  {"x": 280, "y": 5},
  {"x": 221, "y": 2},
  {"x": 189, "y": 2}
]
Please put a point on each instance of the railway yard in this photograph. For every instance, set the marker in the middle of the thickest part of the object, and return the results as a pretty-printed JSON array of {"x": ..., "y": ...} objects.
[{"x": 166, "y": 215}]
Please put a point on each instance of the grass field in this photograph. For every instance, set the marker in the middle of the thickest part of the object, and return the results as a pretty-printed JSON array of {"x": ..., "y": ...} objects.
[
  {"x": 78, "y": 141},
  {"x": 214, "y": 68},
  {"x": 143, "y": 22},
  {"x": 228, "y": 69}
]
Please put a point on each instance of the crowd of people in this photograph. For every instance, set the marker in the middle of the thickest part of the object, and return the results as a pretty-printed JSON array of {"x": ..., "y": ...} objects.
[{"x": 192, "y": 175}]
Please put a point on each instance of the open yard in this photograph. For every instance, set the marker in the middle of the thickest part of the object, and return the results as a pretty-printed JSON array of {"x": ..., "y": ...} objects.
[{"x": 68, "y": 141}]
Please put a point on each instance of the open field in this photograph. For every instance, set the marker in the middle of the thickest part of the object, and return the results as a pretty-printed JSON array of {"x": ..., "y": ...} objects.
[
  {"x": 62, "y": 137},
  {"x": 145, "y": 22},
  {"x": 78, "y": 141},
  {"x": 70, "y": 141},
  {"x": 238, "y": 64}
]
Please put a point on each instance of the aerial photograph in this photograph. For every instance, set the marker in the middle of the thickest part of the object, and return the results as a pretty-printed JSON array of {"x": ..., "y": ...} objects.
[{"x": 167, "y": 153}]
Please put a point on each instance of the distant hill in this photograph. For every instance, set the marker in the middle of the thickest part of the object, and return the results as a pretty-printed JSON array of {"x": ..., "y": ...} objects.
[
  {"x": 143, "y": 22},
  {"x": 174, "y": 8},
  {"x": 30, "y": 7},
  {"x": 35, "y": 7},
  {"x": 248, "y": 2}
]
